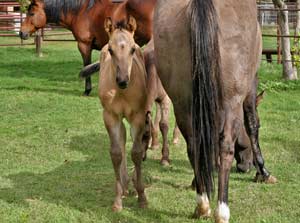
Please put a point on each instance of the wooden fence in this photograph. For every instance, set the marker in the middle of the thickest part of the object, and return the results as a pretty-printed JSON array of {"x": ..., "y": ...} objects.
[{"x": 11, "y": 18}]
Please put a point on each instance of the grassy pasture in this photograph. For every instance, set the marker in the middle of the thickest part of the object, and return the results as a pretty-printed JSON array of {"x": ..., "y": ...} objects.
[{"x": 55, "y": 164}]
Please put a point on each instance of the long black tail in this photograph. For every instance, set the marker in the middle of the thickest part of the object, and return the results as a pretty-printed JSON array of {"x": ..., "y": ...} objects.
[
  {"x": 89, "y": 70},
  {"x": 207, "y": 91}
]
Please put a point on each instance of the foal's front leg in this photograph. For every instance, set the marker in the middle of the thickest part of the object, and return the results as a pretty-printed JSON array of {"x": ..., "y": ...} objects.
[
  {"x": 117, "y": 135},
  {"x": 139, "y": 144}
]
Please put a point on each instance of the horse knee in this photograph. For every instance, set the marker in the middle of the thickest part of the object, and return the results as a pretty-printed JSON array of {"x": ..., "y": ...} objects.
[
  {"x": 163, "y": 126},
  {"x": 116, "y": 156},
  {"x": 137, "y": 155},
  {"x": 227, "y": 147}
]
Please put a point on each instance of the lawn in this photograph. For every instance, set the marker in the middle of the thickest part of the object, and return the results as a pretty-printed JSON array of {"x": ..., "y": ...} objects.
[{"x": 55, "y": 165}]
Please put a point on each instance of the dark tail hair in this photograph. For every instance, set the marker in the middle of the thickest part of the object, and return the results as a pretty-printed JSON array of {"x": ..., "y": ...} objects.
[
  {"x": 89, "y": 70},
  {"x": 207, "y": 91}
]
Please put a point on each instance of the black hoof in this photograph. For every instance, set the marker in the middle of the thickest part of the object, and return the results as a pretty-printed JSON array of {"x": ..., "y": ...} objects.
[{"x": 87, "y": 92}]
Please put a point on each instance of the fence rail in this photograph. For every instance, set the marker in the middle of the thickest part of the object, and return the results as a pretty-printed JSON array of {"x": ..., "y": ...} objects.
[{"x": 11, "y": 19}]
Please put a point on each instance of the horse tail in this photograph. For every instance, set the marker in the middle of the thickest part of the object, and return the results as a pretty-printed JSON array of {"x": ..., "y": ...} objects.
[
  {"x": 207, "y": 91},
  {"x": 88, "y": 70}
]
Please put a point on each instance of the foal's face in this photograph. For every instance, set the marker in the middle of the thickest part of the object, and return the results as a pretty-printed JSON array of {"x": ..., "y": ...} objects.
[
  {"x": 35, "y": 19},
  {"x": 121, "y": 47}
]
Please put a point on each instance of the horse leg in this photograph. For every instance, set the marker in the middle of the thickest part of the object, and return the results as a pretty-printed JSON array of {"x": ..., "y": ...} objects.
[
  {"x": 86, "y": 51},
  {"x": 117, "y": 135},
  {"x": 229, "y": 135},
  {"x": 155, "y": 128},
  {"x": 176, "y": 134},
  {"x": 184, "y": 123},
  {"x": 252, "y": 127},
  {"x": 164, "y": 128},
  {"x": 139, "y": 143},
  {"x": 243, "y": 152}
]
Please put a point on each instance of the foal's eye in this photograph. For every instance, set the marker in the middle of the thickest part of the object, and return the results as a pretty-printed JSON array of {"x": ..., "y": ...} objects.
[
  {"x": 31, "y": 14},
  {"x": 132, "y": 50},
  {"x": 110, "y": 51}
]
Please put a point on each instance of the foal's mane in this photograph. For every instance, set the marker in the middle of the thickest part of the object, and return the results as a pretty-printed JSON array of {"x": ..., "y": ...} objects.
[{"x": 54, "y": 8}]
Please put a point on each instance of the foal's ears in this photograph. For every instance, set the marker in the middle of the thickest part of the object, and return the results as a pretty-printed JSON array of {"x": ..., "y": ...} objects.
[
  {"x": 260, "y": 97},
  {"x": 108, "y": 26},
  {"x": 131, "y": 25}
]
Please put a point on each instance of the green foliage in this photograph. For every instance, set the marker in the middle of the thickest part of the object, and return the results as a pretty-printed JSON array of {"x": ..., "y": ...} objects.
[
  {"x": 24, "y": 5},
  {"x": 55, "y": 164},
  {"x": 295, "y": 49}
]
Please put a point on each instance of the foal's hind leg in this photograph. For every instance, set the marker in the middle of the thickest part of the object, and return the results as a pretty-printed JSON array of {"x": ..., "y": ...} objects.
[
  {"x": 137, "y": 132},
  {"x": 117, "y": 135},
  {"x": 155, "y": 128},
  {"x": 85, "y": 50},
  {"x": 252, "y": 127},
  {"x": 164, "y": 128},
  {"x": 176, "y": 134}
]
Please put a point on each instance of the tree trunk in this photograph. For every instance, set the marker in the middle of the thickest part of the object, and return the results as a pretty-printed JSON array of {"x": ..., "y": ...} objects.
[{"x": 289, "y": 72}]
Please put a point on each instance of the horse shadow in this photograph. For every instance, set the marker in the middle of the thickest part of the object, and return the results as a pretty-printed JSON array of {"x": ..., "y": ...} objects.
[{"x": 85, "y": 185}]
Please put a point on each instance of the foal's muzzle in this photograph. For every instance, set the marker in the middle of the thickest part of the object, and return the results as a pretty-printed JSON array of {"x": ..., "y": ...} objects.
[
  {"x": 24, "y": 35},
  {"x": 122, "y": 82}
]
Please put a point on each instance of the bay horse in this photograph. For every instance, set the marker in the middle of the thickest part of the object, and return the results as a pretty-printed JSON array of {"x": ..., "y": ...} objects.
[
  {"x": 123, "y": 94},
  {"x": 85, "y": 18},
  {"x": 207, "y": 54}
]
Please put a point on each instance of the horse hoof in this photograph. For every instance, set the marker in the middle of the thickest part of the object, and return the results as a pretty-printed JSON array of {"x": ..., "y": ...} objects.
[
  {"x": 221, "y": 221},
  {"x": 175, "y": 141},
  {"x": 165, "y": 162},
  {"x": 271, "y": 180},
  {"x": 87, "y": 92},
  {"x": 117, "y": 208},
  {"x": 222, "y": 213},
  {"x": 143, "y": 202},
  {"x": 125, "y": 193},
  {"x": 262, "y": 179},
  {"x": 203, "y": 213}
]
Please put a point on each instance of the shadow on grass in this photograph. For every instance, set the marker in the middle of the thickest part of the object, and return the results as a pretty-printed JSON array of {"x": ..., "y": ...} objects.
[
  {"x": 58, "y": 90},
  {"x": 85, "y": 185}
]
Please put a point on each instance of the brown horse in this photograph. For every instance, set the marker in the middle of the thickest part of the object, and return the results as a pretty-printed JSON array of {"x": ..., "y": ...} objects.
[
  {"x": 85, "y": 18},
  {"x": 207, "y": 54},
  {"x": 123, "y": 94}
]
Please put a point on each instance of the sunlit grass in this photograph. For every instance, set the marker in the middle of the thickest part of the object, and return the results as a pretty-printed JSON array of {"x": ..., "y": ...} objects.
[{"x": 55, "y": 164}]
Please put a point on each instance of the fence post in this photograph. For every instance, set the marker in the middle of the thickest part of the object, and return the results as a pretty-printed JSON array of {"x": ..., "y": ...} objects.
[
  {"x": 38, "y": 43},
  {"x": 21, "y": 21}
]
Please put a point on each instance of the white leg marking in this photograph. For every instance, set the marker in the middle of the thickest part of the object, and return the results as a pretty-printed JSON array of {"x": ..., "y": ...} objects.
[
  {"x": 200, "y": 199},
  {"x": 222, "y": 213},
  {"x": 203, "y": 205}
]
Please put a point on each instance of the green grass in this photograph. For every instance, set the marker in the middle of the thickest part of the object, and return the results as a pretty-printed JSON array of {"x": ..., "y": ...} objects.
[{"x": 55, "y": 164}]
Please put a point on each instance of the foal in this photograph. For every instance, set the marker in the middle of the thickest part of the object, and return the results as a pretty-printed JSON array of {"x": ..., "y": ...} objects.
[{"x": 123, "y": 94}]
